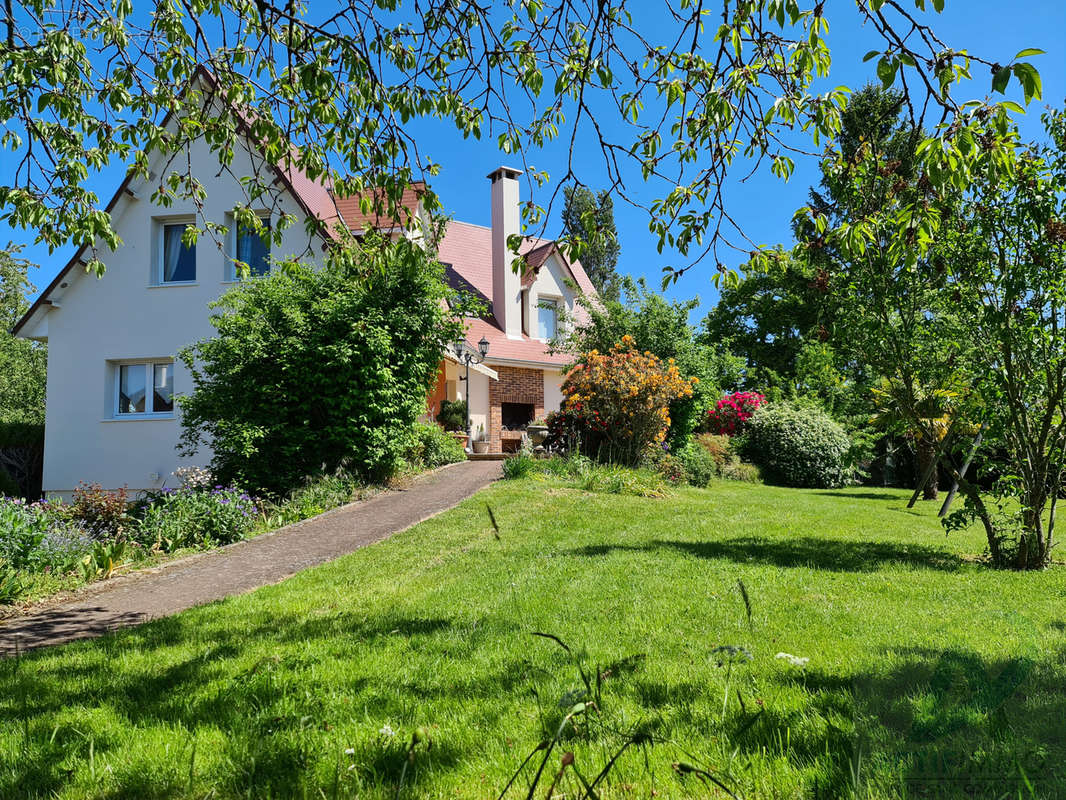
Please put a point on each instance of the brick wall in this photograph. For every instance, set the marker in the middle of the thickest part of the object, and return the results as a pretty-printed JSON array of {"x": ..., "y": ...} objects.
[{"x": 516, "y": 385}]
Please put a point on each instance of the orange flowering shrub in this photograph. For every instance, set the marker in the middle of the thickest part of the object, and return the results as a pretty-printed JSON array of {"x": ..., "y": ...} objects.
[{"x": 616, "y": 404}]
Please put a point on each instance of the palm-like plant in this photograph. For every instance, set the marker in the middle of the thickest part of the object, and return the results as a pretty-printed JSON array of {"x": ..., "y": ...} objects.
[{"x": 925, "y": 416}]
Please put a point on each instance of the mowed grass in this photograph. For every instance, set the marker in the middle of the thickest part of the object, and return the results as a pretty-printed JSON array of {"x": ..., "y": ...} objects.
[{"x": 929, "y": 675}]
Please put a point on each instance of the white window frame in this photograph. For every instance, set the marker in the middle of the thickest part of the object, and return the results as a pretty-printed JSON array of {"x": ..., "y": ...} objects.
[
  {"x": 148, "y": 365},
  {"x": 159, "y": 270},
  {"x": 545, "y": 300},
  {"x": 230, "y": 267}
]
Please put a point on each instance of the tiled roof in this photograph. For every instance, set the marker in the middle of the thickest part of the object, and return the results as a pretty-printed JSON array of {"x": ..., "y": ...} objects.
[
  {"x": 504, "y": 348},
  {"x": 358, "y": 221}
]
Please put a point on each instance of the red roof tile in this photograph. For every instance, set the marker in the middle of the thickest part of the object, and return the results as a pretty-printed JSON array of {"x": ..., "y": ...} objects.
[{"x": 358, "y": 221}]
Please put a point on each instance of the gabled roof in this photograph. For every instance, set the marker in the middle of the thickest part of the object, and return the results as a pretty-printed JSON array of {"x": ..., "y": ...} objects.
[
  {"x": 312, "y": 196},
  {"x": 466, "y": 247},
  {"x": 466, "y": 251}
]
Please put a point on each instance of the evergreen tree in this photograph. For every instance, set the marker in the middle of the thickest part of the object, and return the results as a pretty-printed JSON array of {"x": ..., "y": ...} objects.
[{"x": 588, "y": 219}]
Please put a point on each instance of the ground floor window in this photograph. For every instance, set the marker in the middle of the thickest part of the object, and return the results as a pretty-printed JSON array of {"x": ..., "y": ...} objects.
[{"x": 144, "y": 387}]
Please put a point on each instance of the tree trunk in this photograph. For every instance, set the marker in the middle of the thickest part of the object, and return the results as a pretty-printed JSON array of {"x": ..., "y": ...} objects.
[
  {"x": 1033, "y": 552},
  {"x": 926, "y": 457}
]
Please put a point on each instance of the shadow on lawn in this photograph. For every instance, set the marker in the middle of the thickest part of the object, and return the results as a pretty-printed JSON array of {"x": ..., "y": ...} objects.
[
  {"x": 805, "y": 551},
  {"x": 276, "y": 713},
  {"x": 958, "y": 725},
  {"x": 945, "y": 723},
  {"x": 937, "y": 723},
  {"x": 849, "y": 495}
]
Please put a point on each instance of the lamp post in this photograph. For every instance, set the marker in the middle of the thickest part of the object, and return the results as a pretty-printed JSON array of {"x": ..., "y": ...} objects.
[{"x": 467, "y": 356}]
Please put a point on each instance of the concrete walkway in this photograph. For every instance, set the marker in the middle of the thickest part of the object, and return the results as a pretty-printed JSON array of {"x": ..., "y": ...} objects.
[{"x": 270, "y": 558}]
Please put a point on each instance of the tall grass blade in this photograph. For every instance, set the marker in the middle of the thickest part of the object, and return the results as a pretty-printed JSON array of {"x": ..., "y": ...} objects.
[{"x": 747, "y": 600}]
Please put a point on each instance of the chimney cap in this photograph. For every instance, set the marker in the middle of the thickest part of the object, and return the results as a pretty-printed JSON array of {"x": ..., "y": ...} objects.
[{"x": 503, "y": 172}]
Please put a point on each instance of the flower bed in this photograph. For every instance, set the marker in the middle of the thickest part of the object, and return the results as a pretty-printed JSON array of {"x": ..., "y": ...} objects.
[{"x": 48, "y": 546}]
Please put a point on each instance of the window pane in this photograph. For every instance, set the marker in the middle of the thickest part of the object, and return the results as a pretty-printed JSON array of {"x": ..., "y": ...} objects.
[
  {"x": 163, "y": 388},
  {"x": 546, "y": 320},
  {"x": 179, "y": 261},
  {"x": 254, "y": 251},
  {"x": 131, "y": 389}
]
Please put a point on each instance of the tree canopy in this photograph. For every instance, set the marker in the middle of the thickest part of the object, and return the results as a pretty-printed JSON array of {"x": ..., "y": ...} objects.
[
  {"x": 22, "y": 363},
  {"x": 335, "y": 91}
]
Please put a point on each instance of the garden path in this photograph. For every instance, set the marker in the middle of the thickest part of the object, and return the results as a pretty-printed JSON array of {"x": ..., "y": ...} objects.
[{"x": 270, "y": 558}]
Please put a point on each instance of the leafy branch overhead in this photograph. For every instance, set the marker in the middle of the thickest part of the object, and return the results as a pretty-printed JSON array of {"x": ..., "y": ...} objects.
[{"x": 336, "y": 94}]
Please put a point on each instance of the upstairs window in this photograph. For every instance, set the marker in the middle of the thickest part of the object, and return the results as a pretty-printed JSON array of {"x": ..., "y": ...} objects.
[
  {"x": 177, "y": 260},
  {"x": 547, "y": 319},
  {"x": 248, "y": 247},
  {"x": 254, "y": 250},
  {"x": 144, "y": 388}
]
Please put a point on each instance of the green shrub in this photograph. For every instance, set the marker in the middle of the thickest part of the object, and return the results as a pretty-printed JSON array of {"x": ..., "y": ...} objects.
[
  {"x": 452, "y": 415},
  {"x": 798, "y": 446},
  {"x": 22, "y": 529},
  {"x": 38, "y": 535},
  {"x": 700, "y": 467},
  {"x": 174, "y": 518},
  {"x": 520, "y": 465},
  {"x": 740, "y": 471},
  {"x": 434, "y": 447},
  {"x": 315, "y": 371},
  {"x": 11, "y": 585},
  {"x": 671, "y": 468}
]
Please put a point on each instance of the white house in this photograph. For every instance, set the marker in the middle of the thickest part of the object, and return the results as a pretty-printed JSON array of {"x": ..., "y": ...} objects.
[{"x": 112, "y": 377}]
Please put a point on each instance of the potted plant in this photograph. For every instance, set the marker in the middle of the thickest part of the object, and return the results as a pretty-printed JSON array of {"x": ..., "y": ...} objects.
[
  {"x": 481, "y": 444},
  {"x": 537, "y": 431},
  {"x": 452, "y": 417}
]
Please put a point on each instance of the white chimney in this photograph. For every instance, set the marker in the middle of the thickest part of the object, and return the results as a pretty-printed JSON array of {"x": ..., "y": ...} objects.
[{"x": 506, "y": 283}]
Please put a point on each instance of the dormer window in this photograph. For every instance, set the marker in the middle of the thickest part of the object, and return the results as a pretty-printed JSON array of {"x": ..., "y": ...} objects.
[
  {"x": 547, "y": 319},
  {"x": 177, "y": 260}
]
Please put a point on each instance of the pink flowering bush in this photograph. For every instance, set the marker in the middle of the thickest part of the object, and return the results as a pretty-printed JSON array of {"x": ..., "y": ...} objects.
[{"x": 728, "y": 417}]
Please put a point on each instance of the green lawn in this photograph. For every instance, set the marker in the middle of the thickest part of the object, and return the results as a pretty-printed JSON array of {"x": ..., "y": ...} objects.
[{"x": 929, "y": 675}]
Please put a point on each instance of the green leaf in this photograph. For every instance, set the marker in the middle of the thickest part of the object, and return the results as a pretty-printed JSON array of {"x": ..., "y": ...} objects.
[
  {"x": 1029, "y": 51},
  {"x": 999, "y": 82},
  {"x": 886, "y": 70},
  {"x": 1029, "y": 79},
  {"x": 871, "y": 54}
]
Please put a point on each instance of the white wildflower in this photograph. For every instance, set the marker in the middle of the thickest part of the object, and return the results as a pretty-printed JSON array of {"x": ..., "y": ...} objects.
[
  {"x": 796, "y": 661},
  {"x": 349, "y": 751},
  {"x": 386, "y": 730}
]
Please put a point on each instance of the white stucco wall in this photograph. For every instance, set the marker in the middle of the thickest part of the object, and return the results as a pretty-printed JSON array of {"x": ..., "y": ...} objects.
[
  {"x": 123, "y": 316},
  {"x": 478, "y": 396},
  {"x": 553, "y": 392}
]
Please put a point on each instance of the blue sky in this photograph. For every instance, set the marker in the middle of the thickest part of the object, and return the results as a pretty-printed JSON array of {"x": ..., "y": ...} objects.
[{"x": 763, "y": 205}]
